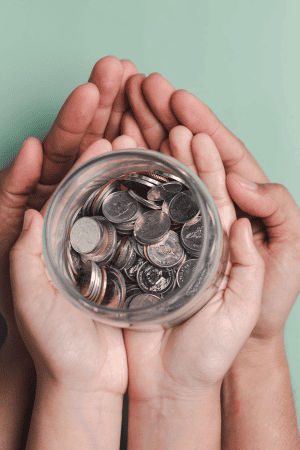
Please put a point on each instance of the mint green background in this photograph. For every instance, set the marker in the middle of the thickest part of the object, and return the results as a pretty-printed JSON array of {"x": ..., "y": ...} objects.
[{"x": 241, "y": 58}]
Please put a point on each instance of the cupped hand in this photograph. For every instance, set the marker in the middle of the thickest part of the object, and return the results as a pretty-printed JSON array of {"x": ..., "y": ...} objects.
[
  {"x": 196, "y": 355},
  {"x": 75, "y": 351},
  {"x": 156, "y": 109},
  {"x": 92, "y": 111}
]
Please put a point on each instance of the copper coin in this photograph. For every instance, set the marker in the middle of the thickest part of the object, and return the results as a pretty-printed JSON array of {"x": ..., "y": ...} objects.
[
  {"x": 151, "y": 227},
  {"x": 119, "y": 207},
  {"x": 152, "y": 279},
  {"x": 183, "y": 207},
  {"x": 164, "y": 191},
  {"x": 167, "y": 253}
]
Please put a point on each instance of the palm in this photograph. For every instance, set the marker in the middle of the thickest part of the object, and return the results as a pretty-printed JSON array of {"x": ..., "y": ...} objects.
[{"x": 92, "y": 111}]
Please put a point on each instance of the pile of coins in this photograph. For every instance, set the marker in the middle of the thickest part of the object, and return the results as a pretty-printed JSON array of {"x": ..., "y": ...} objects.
[{"x": 134, "y": 240}]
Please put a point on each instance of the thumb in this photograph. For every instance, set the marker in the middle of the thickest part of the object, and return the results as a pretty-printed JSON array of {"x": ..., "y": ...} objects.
[
  {"x": 27, "y": 270},
  {"x": 18, "y": 182},
  {"x": 271, "y": 202},
  {"x": 244, "y": 289}
]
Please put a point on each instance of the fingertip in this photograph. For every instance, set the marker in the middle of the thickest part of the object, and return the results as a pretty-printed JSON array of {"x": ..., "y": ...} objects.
[
  {"x": 134, "y": 80},
  {"x": 180, "y": 132},
  {"x": 129, "y": 67},
  {"x": 123, "y": 142}
]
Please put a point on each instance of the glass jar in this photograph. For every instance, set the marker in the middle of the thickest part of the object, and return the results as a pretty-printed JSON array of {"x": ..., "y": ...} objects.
[{"x": 181, "y": 303}]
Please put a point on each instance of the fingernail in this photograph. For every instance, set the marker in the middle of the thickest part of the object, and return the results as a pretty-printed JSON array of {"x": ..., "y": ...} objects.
[
  {"x": 27, "y": 220},
  {"x": 246, "y": 183}
]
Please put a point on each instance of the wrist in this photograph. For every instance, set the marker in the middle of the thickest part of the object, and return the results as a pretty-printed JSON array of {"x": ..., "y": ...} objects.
[
  {"x": 175, "y": 421},
  {"x": 64, "y": 395},
  {"x": 261, "y": 355}
]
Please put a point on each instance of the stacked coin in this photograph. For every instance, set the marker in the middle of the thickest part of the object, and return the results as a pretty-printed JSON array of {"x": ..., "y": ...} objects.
[{"x": 134, "y": 240}]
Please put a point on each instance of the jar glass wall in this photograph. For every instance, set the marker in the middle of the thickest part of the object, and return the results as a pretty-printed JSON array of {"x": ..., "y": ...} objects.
[{"x": 179, "y": 304}]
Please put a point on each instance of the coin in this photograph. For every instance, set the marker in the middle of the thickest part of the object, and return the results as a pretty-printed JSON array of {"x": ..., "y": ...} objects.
[
  {"x": 166, "y": 253},
  {"x": 103, "y": 286},
  {"x": 183, "y": 207},
  {"x": 142, "y": 200},
  {"x": 119, "y": 207},
  {"x": 184, "y": 272},
  {"x": 143, "y": 301},
  {"x": 152, "y": 279},
  {"x": 164, "y": 191},
  {"x": 74, "y": 259},
  {"x": 89, "y": 201},
  {"x": 132, "y": 271},
  {"x": 192, "y": 235},
  {"x": 168, "y": 175},
  {"x": 151, "y": 227},
  {"x": 85, "y": 235},
  {"x": 103, "y": 192},
  {"x": 116, "y": 277}
]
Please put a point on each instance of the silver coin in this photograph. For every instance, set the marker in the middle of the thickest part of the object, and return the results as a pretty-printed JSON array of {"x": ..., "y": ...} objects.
[
  {"x": 103, "y": 286},
  {"x": 105, "y": 191},
  {"x": 167, "y": 253},
  {"x": 108, "y": 250},
  {"x": 77, "y": 215},
  {"x": 116, "y": 277},
  {"x": 132, "y": 271},
  {"x": 119, "y": 207},
  {"x": 73, "y": 258},
  {"x": 85, "y": 235},
  {"x": 192, "y": 235},
  {"x": 88, "y": 279},
  {"x": 146, "y": 178},
  {"x": 151, "y": 227},
  {"x": 142, "y": 200},
  {"x": 143, "y": 301},
  {"x": 185, "y": 271},
  {"x": 88, "y": 202},
  {"x": 152, "y": 279},
  {"x": 183, "y": 207},
  {"x": 170, "y": 176},
  {"x": 164, "y": 191}
]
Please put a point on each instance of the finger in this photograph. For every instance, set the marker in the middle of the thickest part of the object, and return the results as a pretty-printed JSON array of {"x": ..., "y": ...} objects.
[
  {"x": 98, "y": 148},
  {"x": 123, "y": 142},
  {"x": 151, "y": 128},
  {"x": 62, "y": 142},
  {"x": 180, "y": 139},
  {"x": 107, "y": 75},
  {"x": 158, "y": 92},
  {"x": 130, "y": 127},
  {"x": 211, "y": 171},
  {"x": 245, "y": 284},
  {"x": 271, "y": 202},
  {"x": 165, "y": 148},
  {"x": 27, "y": 270},
  {"x": 19, "y": 182},
  {"x": 195, "y": 115},
  {"x": 120, "y": 104}
]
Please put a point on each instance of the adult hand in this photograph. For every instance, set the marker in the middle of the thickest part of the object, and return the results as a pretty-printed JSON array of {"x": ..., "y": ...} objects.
[
  {"x": 159, "y": 363},
  {"x": 274, "y": 218},
  {"x": 93, "y": 110}
]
